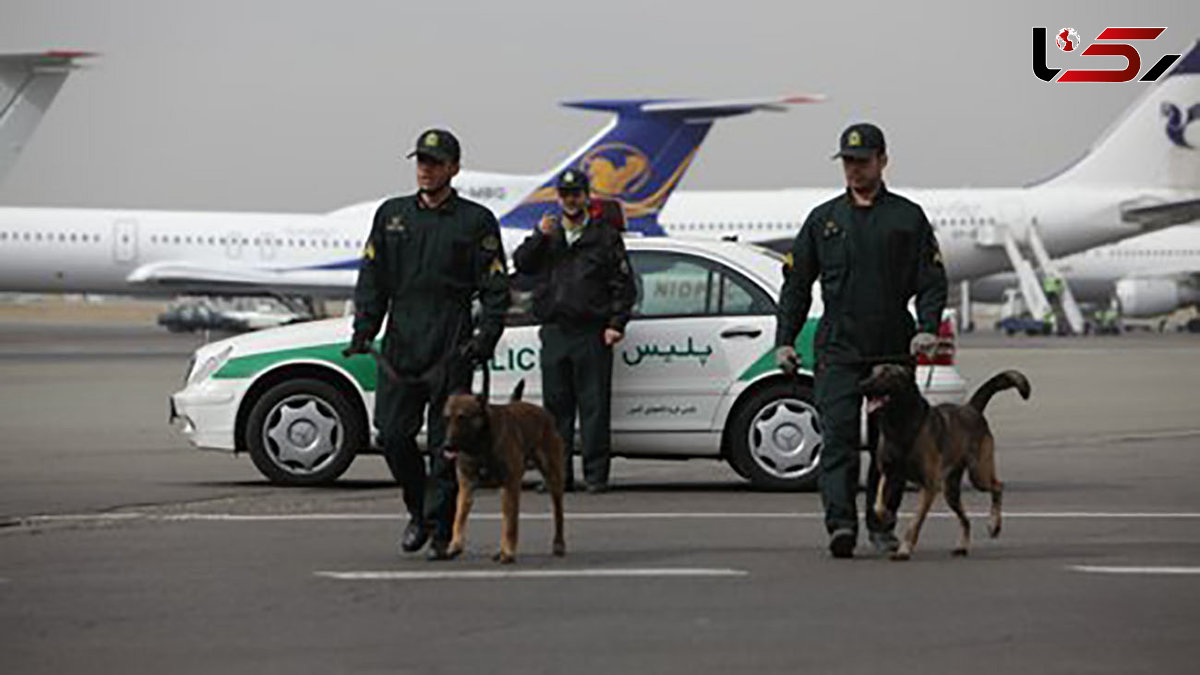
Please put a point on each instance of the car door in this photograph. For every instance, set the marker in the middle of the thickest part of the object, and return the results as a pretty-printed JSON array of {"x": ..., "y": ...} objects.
[{"x": 696, "y": 325}]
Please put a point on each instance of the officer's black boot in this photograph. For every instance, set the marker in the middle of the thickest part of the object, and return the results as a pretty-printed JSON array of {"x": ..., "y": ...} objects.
[{"x": 415, "y": 535}]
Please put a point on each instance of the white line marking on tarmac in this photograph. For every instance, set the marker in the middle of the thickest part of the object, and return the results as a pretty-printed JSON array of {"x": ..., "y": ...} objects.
[
  {"x": 578, "y": 516},
  {"x": 1100, "y": 569},
  {"x": 533, "y": 574}
]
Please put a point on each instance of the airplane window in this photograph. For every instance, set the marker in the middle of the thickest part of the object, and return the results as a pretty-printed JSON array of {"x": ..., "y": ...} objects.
[
  {"x": 291, "y": 242},
  {"x": 176, "y": 239},
  {"x": 39, "y": 236},
  {"x": 257, "y": 242},
  {"x": 3, "y": 236},
  {"x": 62, "y": 237},
  {"x": 212, "y": 241},
  {"x": 73, "y": 237},
  {"x": 26, "y": 236},
  {"x": 223, "y": 241},
  {"x": 300, "y": 242},
  {"x": 245, "y": 242}
]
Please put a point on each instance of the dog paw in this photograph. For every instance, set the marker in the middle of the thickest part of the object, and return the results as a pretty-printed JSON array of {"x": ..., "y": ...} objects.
[
  {"x": 504, "y": 558},
  {"x": 960, "y": 552},
  {"x": 900, "y": 555},
  {"x": 560, "y": 549},
  {"x": 994, "y": 531}
]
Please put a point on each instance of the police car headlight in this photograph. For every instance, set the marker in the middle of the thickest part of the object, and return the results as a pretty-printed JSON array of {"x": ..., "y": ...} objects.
[{"x": 210, "y": 365}]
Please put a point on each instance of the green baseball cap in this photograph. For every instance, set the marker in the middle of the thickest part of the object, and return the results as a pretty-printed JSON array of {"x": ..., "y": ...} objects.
[
  {"x": 860, "y": 141},
  {"x": 437, "y": 144}
]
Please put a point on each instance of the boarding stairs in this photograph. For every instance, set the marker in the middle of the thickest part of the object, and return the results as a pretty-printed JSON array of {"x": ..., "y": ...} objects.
[{"x": 1066, "y": 309}]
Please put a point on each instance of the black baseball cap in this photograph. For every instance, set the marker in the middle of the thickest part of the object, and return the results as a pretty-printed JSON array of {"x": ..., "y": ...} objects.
[
  {"x": 572, "y": 179},
  {"x": 438, "y": 144},
  {"x": 860, "y": 141}
]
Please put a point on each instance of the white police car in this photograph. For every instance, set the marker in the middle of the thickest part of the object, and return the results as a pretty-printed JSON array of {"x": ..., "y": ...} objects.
[{"x": 693, "y": 378}]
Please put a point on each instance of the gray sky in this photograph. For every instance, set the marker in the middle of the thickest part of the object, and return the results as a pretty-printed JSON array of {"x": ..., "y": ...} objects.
[{"x": 292, "y": 106}]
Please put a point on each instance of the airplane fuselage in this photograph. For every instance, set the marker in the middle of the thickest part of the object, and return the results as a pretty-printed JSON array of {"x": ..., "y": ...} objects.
[{"x": 109, "y": 251}]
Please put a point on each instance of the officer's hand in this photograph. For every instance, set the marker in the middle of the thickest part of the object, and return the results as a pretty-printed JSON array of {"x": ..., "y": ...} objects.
[
  {"x": 359, "y": 344},
  {"x": 547, "y": 223},
  {"x": 612, "y": 336},
  {"x": 787, "y": 360},
  {"x": 922, "y": 343},
  {"x": 472, "y": 352}
]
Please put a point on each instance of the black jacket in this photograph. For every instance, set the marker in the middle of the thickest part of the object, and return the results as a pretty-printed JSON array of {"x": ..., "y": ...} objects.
[{"x": 588, "y": 283}]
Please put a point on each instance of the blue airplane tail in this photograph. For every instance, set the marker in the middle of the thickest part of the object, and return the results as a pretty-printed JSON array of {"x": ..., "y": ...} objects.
[{"x": 641, "y": 156}]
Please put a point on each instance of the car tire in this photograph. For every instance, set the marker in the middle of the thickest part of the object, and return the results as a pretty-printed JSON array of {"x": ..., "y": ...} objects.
[
  {"x": 303, "y": 432},
  {"x": 775, "y": 437}
]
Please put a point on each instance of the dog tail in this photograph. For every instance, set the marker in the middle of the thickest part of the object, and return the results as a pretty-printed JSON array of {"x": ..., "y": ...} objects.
[
  {"x": 518, "y": 391},
  {"x": 1009, "y": 379}
]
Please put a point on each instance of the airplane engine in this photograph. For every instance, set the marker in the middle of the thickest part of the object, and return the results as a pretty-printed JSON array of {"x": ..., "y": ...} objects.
[{"x": 1148, "y": 297}]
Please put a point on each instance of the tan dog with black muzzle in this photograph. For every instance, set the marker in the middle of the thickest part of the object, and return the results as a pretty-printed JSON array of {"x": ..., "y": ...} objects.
[{"x": 493, "y": 445}]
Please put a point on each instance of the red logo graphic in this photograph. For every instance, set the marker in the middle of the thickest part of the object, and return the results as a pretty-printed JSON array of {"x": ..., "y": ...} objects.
[{"x": 1068, "y": 40}]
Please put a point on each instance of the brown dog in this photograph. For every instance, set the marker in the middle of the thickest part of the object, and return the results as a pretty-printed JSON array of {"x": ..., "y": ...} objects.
[
  {"x": 932, "y": 446},
  {"x": 493, "y": 445}
]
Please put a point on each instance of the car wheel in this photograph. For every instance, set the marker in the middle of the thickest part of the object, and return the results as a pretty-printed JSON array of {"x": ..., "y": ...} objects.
[
  {"x": 775, "y": 437},
  {"x": 303, "y": 432}
]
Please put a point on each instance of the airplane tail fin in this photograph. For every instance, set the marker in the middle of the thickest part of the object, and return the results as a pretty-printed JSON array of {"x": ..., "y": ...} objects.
[
  {"x": 1151, "y": 145},
  {"x": 642, "y": 155},
  {"x": 28, "y": 85}
]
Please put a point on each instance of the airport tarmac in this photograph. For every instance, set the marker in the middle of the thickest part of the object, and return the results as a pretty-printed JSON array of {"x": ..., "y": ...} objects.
[{"x": 122, "y": 549}]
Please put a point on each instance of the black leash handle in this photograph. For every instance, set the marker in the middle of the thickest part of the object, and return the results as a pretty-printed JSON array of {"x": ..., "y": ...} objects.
[{"x": 487, "y": 381}]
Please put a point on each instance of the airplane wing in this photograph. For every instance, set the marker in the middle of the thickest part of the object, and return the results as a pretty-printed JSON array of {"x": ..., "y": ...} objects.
[
  {"x": 1156, "y": 216},
  {"x": 185, "y": 277}
]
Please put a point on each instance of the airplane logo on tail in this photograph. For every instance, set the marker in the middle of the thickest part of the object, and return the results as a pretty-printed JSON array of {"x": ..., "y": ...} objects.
[
  {"x": 1178, "y": 121},
  {"x": 641, "y": 158},
  {"x": 615, "y": 169}
]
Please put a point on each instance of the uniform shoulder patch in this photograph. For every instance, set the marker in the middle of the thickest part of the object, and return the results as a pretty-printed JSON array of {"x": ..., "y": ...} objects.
[
  {"x": 497, "y": 266},
  {"x": 490, "y": 243},
  {"x": 369, "y": 251}
]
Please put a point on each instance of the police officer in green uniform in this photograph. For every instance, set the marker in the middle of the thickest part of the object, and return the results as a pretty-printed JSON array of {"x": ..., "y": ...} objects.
[
  {"x": 583, "y": 295},
  {"x": 429, "y": 256},
  {"x": 872, "y": 251}
]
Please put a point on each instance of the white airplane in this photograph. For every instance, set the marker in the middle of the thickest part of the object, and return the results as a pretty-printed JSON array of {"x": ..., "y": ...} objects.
[
  {"x": 1149, "y": 275},
  {"x": 638, "y": 159},
  {"x": 28, "y": 85},
  {"x": 1143, "y": 174}
]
